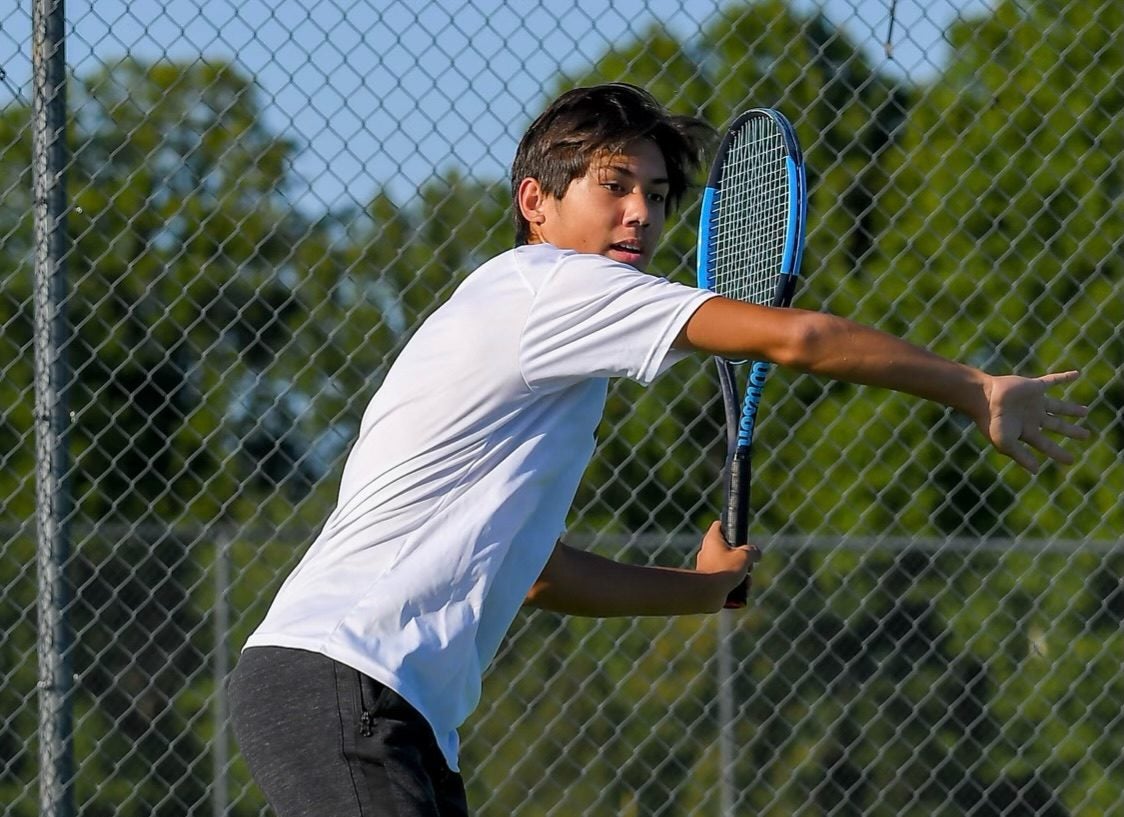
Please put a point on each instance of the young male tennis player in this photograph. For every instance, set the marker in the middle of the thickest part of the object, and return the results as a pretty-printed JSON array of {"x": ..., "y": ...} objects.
[{"x": 347, "y": 697}]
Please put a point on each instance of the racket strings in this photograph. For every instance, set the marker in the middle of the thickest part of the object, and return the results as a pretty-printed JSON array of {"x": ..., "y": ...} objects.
[{"x": 752, "y": 215}]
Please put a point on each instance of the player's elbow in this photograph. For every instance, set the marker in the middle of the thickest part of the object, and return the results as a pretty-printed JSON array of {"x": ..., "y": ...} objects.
[{"x": 803, "y": 341}]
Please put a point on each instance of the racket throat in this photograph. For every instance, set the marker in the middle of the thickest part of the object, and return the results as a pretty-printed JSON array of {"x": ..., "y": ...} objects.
[{"x": 758, "y": 373}]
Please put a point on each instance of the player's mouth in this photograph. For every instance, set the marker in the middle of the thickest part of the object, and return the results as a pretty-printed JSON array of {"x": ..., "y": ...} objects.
[{"x": 630, "y": 252}]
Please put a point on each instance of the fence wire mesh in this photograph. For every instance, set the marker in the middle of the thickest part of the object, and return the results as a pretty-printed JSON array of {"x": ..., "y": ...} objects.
[{"x": 265, "y": 199}]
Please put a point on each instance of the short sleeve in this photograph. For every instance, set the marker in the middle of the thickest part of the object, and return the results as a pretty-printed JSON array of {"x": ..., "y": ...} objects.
[{"x": 593, "y": 317}]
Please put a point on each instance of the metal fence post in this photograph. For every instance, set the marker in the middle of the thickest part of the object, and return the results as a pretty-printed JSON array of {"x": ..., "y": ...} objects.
[
  {"x": 221, "y": 750},
  {"x": 52, "y": 505},
  {"x": 726, "y": 748}
]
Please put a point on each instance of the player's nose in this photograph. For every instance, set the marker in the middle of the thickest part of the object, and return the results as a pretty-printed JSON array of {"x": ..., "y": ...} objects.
[{"x": 638, "y": 210}]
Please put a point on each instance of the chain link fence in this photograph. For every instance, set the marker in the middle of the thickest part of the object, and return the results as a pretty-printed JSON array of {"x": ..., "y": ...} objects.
[{"x": 263, "y": 200}]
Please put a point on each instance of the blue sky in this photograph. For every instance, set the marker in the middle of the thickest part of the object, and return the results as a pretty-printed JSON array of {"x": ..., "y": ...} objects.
[{"x": 361, "y": 85}]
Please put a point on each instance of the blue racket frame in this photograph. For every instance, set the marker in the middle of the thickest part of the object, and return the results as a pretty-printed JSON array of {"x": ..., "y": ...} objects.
[{"x": 740, "y": 424}]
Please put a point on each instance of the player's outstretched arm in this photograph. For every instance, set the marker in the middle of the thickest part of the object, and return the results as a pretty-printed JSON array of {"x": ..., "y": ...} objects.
[
  {"x": 1013, "y": 412},
  {"x": 579, "y": 583}
]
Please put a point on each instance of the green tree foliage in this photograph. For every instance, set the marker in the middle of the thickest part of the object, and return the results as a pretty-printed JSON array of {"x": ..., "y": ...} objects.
[
  {"x": 186, "y": 261},
  {"x": 16, "y": 365}
]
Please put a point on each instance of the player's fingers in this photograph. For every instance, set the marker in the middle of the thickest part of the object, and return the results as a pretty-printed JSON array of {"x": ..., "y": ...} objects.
[
  {"x": 1060, "y": 426},
  {"x": 1065, "y": 408},
  {"x": 747, "y": 556},
  {"x": 1019, "y": 453},
  {"x": 1055, "y": 378},
  {"x": 1048, "y": 447},
  {"x": 754, "y": 554},
  {"x": 714, "y": 533}
]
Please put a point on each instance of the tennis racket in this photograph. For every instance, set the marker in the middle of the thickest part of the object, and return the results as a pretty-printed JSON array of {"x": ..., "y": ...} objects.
[{"x": 751, "y": 238}]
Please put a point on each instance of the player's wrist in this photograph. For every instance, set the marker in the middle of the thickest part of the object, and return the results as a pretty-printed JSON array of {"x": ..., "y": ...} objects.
[
  {"x": 973, "y": 397},
  {"x": 716, "y": 588}
]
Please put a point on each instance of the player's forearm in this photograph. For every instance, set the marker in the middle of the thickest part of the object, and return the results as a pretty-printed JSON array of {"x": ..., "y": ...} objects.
[
  {"x": 834, "y": 347},
  {"x": 851, "y": 352},
  {"x": 578, "y": 583}
]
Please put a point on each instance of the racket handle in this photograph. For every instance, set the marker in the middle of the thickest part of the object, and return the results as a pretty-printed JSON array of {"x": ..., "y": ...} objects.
[
  {"x": 738, "y": 597},
  {"x": 735, "y": 522}
]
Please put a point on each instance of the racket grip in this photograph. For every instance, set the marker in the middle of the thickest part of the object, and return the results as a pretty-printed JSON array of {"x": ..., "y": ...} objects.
[
  {"x": 735, "y": 524},
  {"x": 738, "y": 597}
]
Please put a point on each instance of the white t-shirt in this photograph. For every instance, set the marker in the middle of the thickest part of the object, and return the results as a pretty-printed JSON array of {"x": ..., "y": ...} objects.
[{"x": 467, "y": 460}]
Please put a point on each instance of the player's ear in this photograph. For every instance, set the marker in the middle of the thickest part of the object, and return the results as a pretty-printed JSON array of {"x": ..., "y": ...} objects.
[{"x": 531, "y": 200}]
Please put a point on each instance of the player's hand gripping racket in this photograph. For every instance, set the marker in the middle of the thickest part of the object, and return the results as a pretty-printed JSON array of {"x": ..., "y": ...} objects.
[{"x": 751, "y": 237}]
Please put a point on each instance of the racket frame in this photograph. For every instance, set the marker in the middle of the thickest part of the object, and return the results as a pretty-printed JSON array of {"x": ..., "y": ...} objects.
[{"x": 741, "y": 415}]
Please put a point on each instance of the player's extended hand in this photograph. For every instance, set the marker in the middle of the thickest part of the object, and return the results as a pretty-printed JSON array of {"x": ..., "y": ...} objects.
[
  {"x": 1018, "y": 414},
  {"x": 716, "y": 556}
]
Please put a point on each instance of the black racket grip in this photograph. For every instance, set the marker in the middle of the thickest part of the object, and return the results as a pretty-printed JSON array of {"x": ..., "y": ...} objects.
[
  {"x": 735, "y": 521},
  {"x": 738, "y": 598}
]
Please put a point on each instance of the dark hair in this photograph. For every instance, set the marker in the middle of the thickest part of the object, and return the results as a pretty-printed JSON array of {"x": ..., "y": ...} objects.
[{"x": 586, "y": 122}]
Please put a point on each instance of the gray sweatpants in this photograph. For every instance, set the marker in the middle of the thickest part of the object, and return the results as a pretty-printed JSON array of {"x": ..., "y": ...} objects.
[{"x": 322, "y": 739}]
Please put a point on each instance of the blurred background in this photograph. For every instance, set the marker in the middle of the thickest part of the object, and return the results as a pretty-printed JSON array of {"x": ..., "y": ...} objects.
[{"x": 262, "y": 201}]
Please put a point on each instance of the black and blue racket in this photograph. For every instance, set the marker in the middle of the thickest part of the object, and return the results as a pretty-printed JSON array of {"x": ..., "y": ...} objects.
[{"x": 751, "y": 238}]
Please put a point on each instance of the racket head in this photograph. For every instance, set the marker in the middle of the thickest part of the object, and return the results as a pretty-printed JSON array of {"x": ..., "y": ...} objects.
[
  {"x": 754, "y": 209},
  {"x": 751, "y": 234}
]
